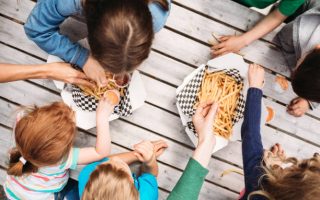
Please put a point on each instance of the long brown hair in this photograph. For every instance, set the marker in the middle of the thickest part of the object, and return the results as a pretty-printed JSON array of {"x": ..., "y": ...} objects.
[
  {"x": 44, "y": 136},
  {"x": 108, "y": 181},
  {"x": 120, "y": 32},
  {"x": 299, "y": 181}
]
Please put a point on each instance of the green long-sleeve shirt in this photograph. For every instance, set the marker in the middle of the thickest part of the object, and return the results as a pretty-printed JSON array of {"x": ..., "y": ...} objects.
[
  {"x": 190, "y": 183},
  {"x": 286, "y": 7}
]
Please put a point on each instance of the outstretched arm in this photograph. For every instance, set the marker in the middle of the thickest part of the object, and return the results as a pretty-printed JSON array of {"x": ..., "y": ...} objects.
[
  {"x": 103, "y": 142},
  {"x": 192, "y": 179},
  {"x": 54, "y": 71},
  {"x": 252, "y": 149},
  {"x": 230, "y": 44}
]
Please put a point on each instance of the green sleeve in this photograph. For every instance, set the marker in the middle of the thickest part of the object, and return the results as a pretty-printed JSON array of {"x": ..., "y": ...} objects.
[
  {"x": 190, "y": 183},
  {"x": 288, "y": 7}
]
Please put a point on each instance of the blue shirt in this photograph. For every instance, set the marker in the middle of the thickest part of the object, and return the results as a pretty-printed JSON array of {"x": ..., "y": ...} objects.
[
  {"x": 42, "y": 27},
  {"x": 146, "y": 184},
  {"x": 252, "y": 148}
]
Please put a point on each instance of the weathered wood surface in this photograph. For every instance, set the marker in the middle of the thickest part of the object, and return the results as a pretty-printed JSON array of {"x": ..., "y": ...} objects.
[{"x": 178, "y": 49}]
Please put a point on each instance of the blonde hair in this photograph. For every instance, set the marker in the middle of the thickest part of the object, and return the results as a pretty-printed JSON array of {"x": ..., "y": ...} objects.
[
  {"x": 108, "y": 181},
  {"x": 299, "y": 181},
  {"x": 43, "y": 136}
]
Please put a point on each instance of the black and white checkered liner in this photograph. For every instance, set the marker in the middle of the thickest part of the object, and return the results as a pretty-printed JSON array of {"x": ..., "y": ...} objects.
[
  {"x": 89, "y": 103},
  {"x": 188, "y": 96}
]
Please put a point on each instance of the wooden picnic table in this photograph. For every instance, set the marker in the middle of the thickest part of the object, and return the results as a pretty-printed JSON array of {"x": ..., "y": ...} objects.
[{"x": 177, "y": 50}]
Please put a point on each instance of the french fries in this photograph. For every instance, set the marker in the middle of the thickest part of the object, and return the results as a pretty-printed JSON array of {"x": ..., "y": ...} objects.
[
  {"x": 223, "y": 89},
  {"x": 98, "y": 92}
]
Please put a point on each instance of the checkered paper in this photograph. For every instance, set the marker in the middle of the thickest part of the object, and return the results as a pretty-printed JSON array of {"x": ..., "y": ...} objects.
[
  {"x": 89, "y": 103},
  {"x": 187, "y": 97}
]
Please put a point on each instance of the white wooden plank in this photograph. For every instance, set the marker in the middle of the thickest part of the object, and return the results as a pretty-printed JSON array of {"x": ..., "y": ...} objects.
[
  {"x": 7, "y": 29},
  {"x": 176, "y": 155},
  {"x": 228, "y": 12},
  {"x": 9, "y": 8},
  {"x": 200, "y": 27},
  {"x": 304, "y": 127},
  {"x": 3, "y": 174}
]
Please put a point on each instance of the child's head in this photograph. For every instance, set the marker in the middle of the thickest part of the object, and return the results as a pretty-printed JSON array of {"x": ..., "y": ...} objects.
[
  {"x": 299, "y": 181},
  {"x": 306, "y": 79},
  {"x": 43, "y": 136},
  {"x": 111, "y": 180},
  {"x": 120, "y": 32}
]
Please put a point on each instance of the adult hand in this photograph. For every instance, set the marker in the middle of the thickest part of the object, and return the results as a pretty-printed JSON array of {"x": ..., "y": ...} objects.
[
  {"x": 145, "y": 152},
  {"x": 159, "y": 147},
  {"x": 95, "y": 71},
  {"x": 65, "y": 72},
  {"x": 203, "y": 121},
  {"x": 256, "y": 76},
  {"x": 298, "y": 107},
  {"x": 228, "y": 44}
]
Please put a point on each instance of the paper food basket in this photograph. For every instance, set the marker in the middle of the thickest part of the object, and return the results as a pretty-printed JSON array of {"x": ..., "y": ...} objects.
[
  {"x": 87, "y": 119},
  {"x": 227, "y": 62}
]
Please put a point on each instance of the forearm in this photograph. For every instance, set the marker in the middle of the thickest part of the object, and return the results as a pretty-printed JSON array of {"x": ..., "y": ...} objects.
[
  {"x": 151, "y": 168},
  {"x": 265, "y": 26},
  {"x": 127, "y": 157},
  {"x": 103, "y": 142},
  {"x": 189, "y": 185},
  {"x": 202, "y": 153},
  {"x": 14, "y": 72},
  {"x": 252, "y": 149}
]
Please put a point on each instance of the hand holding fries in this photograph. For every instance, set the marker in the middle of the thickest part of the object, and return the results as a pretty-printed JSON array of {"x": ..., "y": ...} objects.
[
  {"x": 203, "y": 121},
  {"x": 256, "y": 76}
]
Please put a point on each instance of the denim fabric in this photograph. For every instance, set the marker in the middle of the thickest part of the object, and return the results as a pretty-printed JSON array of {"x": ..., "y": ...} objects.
[{"x": 42, "y": 27}]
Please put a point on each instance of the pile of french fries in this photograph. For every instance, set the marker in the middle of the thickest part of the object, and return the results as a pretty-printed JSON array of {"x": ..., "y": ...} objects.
[
  {"x": 223, "y": 89},
  {"x": 98, "y": 92}
]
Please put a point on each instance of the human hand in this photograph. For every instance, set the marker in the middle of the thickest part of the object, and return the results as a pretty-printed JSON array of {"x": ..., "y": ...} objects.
[
  {"x": 256, "y": 76},
  {"x": 203, "y": 121},
  {"x": 298, "y": 107},
  {"x": 159, "y": 147},
  {"x": 144, "y": 151},
  {"x": 228, "y": 44},
  {"x": 65, "y": 72},
  {"x": 105, "y": 108},
  {"x": 95, "y": 71}
]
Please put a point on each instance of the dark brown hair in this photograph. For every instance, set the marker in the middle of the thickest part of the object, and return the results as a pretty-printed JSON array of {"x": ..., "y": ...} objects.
[
  {"x": 44, "y": 136},
  {"x": 108, "y": 181},
  {"x": 120, "y": 32},
  {"x": 306, "y": 79}
]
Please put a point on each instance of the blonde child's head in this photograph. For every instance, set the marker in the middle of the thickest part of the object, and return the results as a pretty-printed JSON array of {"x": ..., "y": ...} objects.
[
  {"x": 299, "y": 181},
  {"x": 43, "y": 136},
  {"x": 111, "y": 180}
]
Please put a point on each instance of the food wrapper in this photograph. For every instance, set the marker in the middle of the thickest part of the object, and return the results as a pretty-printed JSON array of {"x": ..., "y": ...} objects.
[
  {"x": 85, "y": 106},
  {"x": 231, "y": 64}
]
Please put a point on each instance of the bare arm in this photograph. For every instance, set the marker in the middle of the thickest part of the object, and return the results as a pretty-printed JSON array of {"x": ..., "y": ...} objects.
[
  {"x": 55, "y": 71},
  {"x": 103, "y": 142},
  {"x": 235, "y": 43},
  {"x": 14, "y": 72},
  {"x": 265, "y": 26},
  {"x": 128, "y": 157}
]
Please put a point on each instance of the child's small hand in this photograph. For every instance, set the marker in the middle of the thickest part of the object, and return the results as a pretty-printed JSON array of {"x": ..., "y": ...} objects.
[
  {"x": 145, "y": 152},
  {"x": 159, "y": 147},
  {"x": 256, "y": 76},
  {"x": 298, "y": 107},
  {"x": 203, "y": 121},
  {"x": 105, "y": 108}
]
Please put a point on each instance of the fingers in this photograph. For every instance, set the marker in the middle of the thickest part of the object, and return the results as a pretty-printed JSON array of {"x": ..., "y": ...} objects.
[
  {"x": 83, "y": 82},
  {"x": 220, "y": 52},
  {"x": 200, "y": 108},
  {"x": 102, "y": 80},
  {"x": 138, "y": 156},
  {"x": 212, "y": 112}
]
